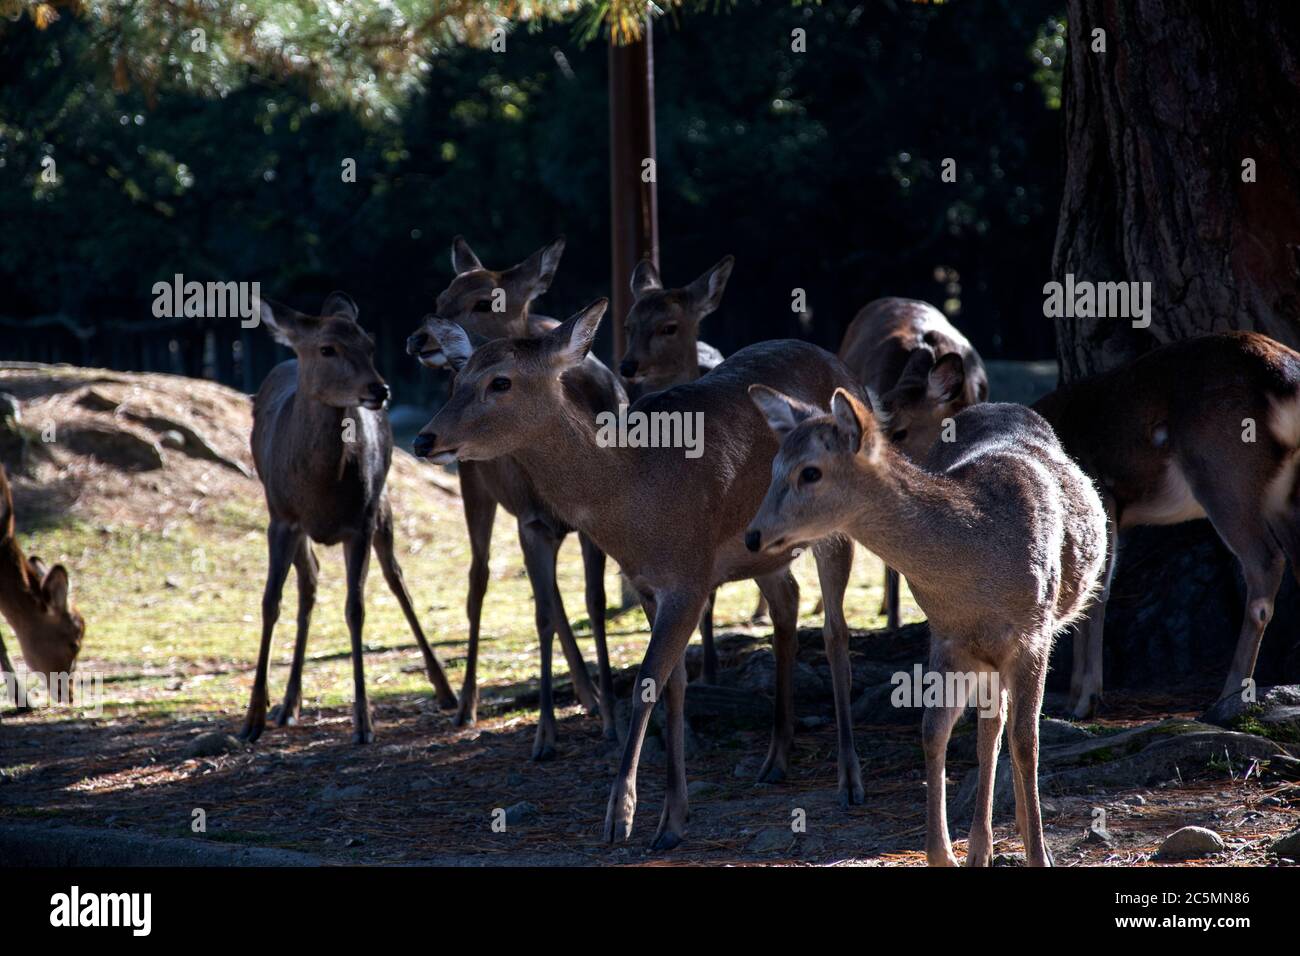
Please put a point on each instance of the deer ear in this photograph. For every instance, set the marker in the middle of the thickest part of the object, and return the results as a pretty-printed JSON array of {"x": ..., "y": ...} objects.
[
  {"x": 539, "y": 268},
  {"x": 571, "y": 341},
  {"x": 340, "y": 303},
  {"x": 462, "y": 257},
  {"x": 707, "y": 289},
  {"x": 452, "y": 339},
  {"x": 782, "y": 412},
  {"x": 284, "y": 324},
  {"x": 645, "y": 278},
  {"x": 853, "y": 419},
  {"x": 918, "y": 365},
  {"x": 946, "y": 380},
  {"x": 56, "y": 587}
]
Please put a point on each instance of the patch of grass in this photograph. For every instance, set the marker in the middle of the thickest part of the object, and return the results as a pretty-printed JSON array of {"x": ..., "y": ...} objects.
[{"x": 174, "y": 616}]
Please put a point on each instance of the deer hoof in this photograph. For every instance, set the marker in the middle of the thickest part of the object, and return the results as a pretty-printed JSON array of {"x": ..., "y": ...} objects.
[
  {"x": 853, "y": 796},
  {"x": 665, "y": 840},
  {"x": 251, "y": 731},
  {"x": 543, "y": 752},
  {"x": 284, "y": 716},
  {"x": 946, "y": 858},
  {"x": 465, "y": 718},
  {"x": 772, "y": 772},
  {"x": 618, "y": 816}
]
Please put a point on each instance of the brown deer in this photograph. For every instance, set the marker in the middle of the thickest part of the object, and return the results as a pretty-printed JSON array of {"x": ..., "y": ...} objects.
[
  {"x": 663, "y": 349},
  {"x": 323, "y": 446},
  {"x": 469, "y": 302},
  {"x": 890, "y": 345},
  {"x": 35, "y": 600},
  {"x": 1002, "y": 539},
  {"x": 672, "y": 522},
  {"x": 1207, "y": 427}
]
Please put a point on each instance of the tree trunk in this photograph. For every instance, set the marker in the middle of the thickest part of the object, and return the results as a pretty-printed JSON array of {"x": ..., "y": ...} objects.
[{"x": 1157, "y": 129}]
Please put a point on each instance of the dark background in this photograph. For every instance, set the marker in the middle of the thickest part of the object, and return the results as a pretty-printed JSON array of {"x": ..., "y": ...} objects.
[{"x": 818, "y": 170}]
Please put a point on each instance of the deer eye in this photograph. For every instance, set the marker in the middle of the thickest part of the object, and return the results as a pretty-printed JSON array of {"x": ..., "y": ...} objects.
[
  {"x": 899, "y": 435},
  {"x": 500, "y": 384},
  {"x": 482, "y": 305},
  {"x": 669, "y": 329},
  {"x": 328, "y": 351},
  {"x": 810, "y": 475}
]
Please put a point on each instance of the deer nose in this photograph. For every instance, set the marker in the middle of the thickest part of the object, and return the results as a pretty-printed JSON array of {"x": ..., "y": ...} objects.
[
  {"x": 753, "y": 539},
  {"x": 627, "y": 368},
  {"x": 380, "y": 391},
  {"x": 423, "y": 444},
  {"x": 415, "y": 344}
]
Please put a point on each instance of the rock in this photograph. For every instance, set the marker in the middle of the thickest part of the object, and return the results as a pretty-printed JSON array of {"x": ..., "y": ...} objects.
[
  {"x": 521, "y": 812},
  {"x": 213, "y": 744},
  {"x": 1276, "y": 714},
  {"x": 1288, "y": 846},
  {"x": 1052, "y": 732},
  {"x": 757, "y": 674},
  {"x": 876, "y": 706},
  {"x": 10, "y": 407},
  {"x": 114, "y": 446},
  {"x": 1098, "y": 834},
  {"x": 771, "y": 840},
  {"x": 172, "y": 439},
  {"x": 732, "y": 706},
  {"x": 333, "y": 794},
  {"x": 813, "y": 721},
  {"x": 1190, "y": 843}
]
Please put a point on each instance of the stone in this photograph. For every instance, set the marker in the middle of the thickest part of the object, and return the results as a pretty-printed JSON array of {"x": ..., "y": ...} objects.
[
  {"x": 333, "y": 794},
  {"x": 1190, "y": 843},
  {"x": 213, "y": 744},
  {"x": 1288, "y": 846},
  {"x": 770, "y": 840},
  {"x": 521, "y": 812}
]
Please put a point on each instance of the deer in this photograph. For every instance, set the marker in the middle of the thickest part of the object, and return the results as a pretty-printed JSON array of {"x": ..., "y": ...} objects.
[
  {"x": 891, "y": 345},
  {"x": 663, "y": 349},
  {"x": 468, "y": 302},
  {"x": 36, "y": 601},
  {"x": 1002, "y": 539},
  {"x": 323, "y": 445},
  {"x": 673, "y": 523},
  {"x": 1207, "y": 427}
]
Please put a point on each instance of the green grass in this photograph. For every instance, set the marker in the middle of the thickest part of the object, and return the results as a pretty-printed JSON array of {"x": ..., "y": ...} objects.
[{"x": 174, "y": 617}]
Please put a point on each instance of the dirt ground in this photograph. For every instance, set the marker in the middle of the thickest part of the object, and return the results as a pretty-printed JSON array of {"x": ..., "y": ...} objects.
[{"x": 167, "y": 555}]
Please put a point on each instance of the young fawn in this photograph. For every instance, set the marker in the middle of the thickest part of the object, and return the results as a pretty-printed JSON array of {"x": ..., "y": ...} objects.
[
  {"x": 469, "y": 302},
  {"x": 322, "y": 445},
  {"x": 36, "y": 603},
  {"x": 890, "y": 345},
  {"x": 1002, "y": 539},
  {"x": 663, "y": 349},
  {"x": 1207, "y": 427},
  {"x": 673, "y": 523}
]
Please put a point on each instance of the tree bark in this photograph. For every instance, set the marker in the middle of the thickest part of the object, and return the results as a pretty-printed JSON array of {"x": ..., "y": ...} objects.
[{"x": 1156, "y": 131}]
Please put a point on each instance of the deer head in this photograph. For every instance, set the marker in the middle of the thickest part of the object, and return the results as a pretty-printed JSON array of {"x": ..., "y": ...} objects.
[
  {"x": 508, "y": 393},
  {"x": 487, "y": 304},
  {"x": 663, "y": 325},
  {"x": 50, "y": 632},
  {"x": 815, "y": 470},
  {"x": 335, "y": 355},
  {"x": 929, "y": 391}
]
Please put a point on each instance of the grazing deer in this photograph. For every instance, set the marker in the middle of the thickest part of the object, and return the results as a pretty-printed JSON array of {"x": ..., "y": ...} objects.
[
  {"x": 35, "y": 601},
  {"x": 672, "y": 522},
  {"x": 1206, "y": 427},
  {"x": 663, "y": 349},
  {"x": 323, "y": 445},
  {"x": 1002, "y": 539},
  {"x": 469, "y": 302},
  {"x": 890, "y": 345}
]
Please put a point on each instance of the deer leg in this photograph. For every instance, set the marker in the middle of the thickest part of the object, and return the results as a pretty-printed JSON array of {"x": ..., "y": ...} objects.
[
  {"x": 672, "y": 822},
  {"x": 5, "y": 666},
  {"x": 1025, "y": 680},
  {"x": 710, "y": 674},
  {"x": 891, "y": 608},
  {"x": 1086, "y": 676},
  {"x": 305, "y": 563},
  {"x": 582, "y": 686},
  {"x": 979, "y": 846},
  {"x": 386, "y": 554},
  {"x": 593, "y": 566},
  {"x": 480, "y": 514},
  {"x": 834, "y": 556},
  {"x": 539, "y": 560},
  {"x": 281, "y": 545},
  {"x": 675, "y": 616},
  {"x": 936, "y": 728},
  {"x": 782, "y": 593},
  {"x": 356, "y": 555},
  {"x": 761, "y": 610}
]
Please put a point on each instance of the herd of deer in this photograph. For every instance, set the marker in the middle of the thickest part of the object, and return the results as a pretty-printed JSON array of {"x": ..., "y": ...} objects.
[{"x": 1003, "y": 518}]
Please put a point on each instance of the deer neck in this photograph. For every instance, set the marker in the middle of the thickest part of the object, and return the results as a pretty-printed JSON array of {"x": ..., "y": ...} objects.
[
  {"x": 917, "y": 522},
  {"x": 19, "y": 601},
  {"x": 316, "y": 440}
]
